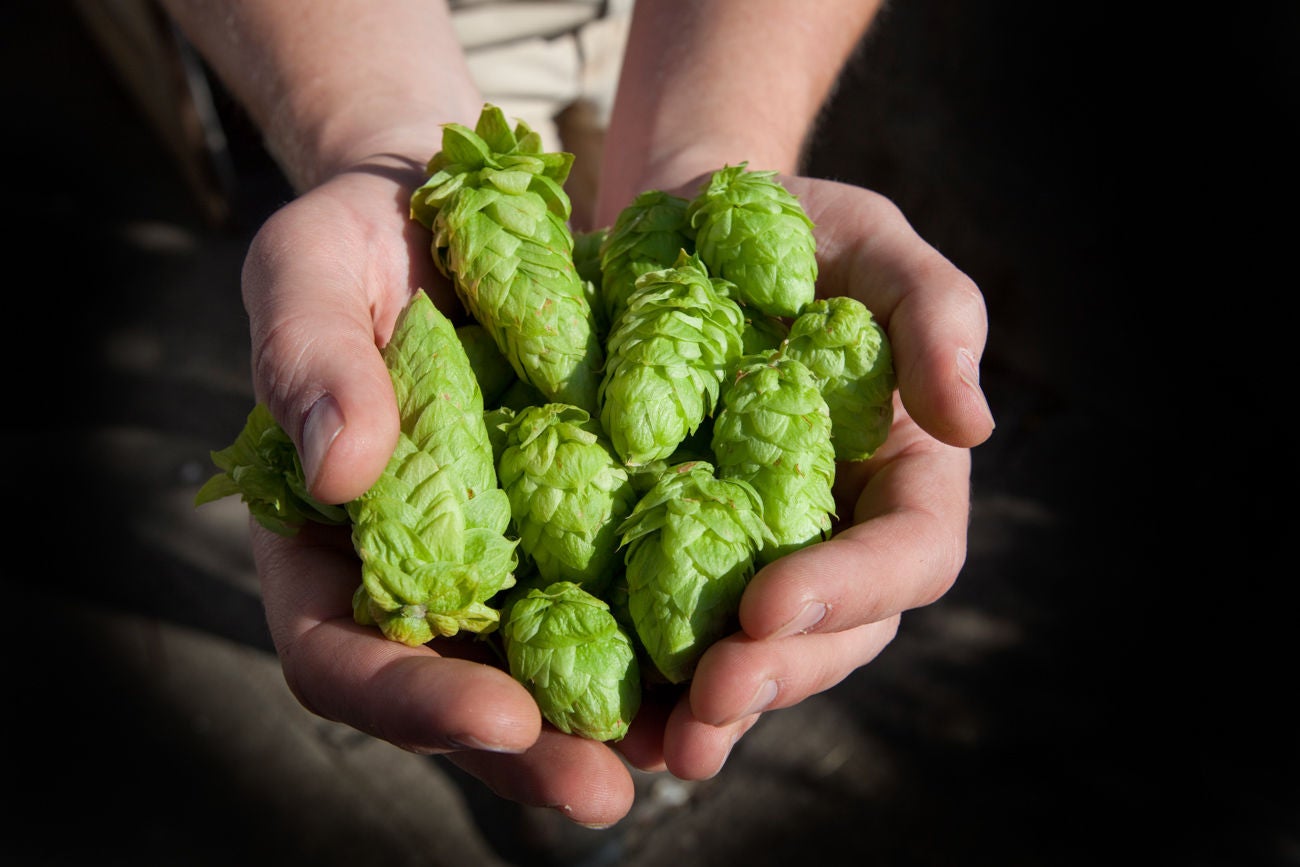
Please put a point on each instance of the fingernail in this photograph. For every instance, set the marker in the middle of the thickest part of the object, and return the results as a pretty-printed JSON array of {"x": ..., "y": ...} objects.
[
  {"x": 567, "y": 812},
  {"x": 968, "y": 370},
  {"x": 812, "y": 614},
  {"x": 323, "y": 424},
  {"x": 763, "y": 698}
]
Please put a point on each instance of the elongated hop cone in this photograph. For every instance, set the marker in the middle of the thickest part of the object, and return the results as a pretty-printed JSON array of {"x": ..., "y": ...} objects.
[
  {"x": 262, "y": 467},
  {"x": 774, "y": 432},
  {"x": 691, "y": 543},
  {"x": 752, "y": 231},
  {"x": 566, "y": 647},
  {"x": 648, "y": 235},
  {"x": 849, "y": 354},
  {"x": 568, "y": 494},
  {"x": 667, "y": 356},
  {"x": 512, "y": 267},
  {"x": 497, "y": 209},
  {"x": 430, "y": 559}
]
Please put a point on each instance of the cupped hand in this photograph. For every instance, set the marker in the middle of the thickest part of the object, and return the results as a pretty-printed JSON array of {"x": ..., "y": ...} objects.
[
  {"x": 323, "y": 283},
  {"x": 813, "y": 617}
]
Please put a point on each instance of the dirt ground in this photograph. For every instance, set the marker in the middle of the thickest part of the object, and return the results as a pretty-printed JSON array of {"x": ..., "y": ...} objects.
[{"x": 1100, "y": 683}]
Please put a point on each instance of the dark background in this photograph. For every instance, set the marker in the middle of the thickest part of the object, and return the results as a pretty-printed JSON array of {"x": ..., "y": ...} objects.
[{"x": 1113, "y": 674}]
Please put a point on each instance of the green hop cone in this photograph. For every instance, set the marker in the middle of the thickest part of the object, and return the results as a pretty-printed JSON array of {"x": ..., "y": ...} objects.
[
  {"x": 774, "y": 432},
  {"x": 691, "y": 543},
  {"x": 648, "y": 235},
  {"x": 752, "y": 231},
  {"x": 849, "y": 353},
  {"x": 667, "y": 356},
  {"x": 568, "y": 494},
  {"x": 262, "y": 467},
  {"x": 491, "y": 368},
  {"x": 568, "y": 650},
  {"x": 432, "y": 531},
  {"x": 497, "y": 209}
]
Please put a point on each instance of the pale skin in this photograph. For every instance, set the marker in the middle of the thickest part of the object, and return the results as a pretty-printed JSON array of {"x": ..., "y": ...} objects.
[{"x": 351, "y": 96}]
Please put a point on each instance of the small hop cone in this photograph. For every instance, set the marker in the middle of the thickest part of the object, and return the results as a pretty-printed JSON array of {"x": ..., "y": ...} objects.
[
  {"x": 491, "y": 368},
  {"x": 668, "y": 354},
  {"x": 568, "y": 494},
  {"x": 849, "y": 353},
  {"x": 648, "y": 235},
  {"x": 428, "y": 565},
  {"x": 568, "y": 650},
  {"x": 262, "y": 467},
  {"x": 497, "y": 209},
  {"x": 774, "y": 432},
  {"x": 691, "y": 546},
  {"x": 751, "y": 231}
]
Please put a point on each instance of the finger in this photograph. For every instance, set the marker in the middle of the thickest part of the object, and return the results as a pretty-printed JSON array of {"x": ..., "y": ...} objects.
[
  {"x": 739, "y": 678},
  {"x": 904, "y": 549},
  {"x": 408, "y": 696},
  {"x": 934, "y": 314},
  {"x": 643, "y": 746},
  {"x": 696, "y": 750},
  {"x": 583, "y": 779},
  {"x": 313, "y": 319}
]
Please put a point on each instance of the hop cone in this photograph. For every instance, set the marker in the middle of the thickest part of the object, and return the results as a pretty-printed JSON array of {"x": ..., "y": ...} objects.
[
  {"x": 565, "y": 646},
  {"x": 263, "y": 468},
  {"x": 849, "y": 353},
  {"x": 648, "y": 235},
  {"x": 568, "y": 494},
  {"x": 691, "y": 543},
  {"x": 428, "y": 563},
  {"x": 491, "y": 368},
  {"x": 667, "y": 356},
  {"x": 497, "y": 209},
  {"x": 750, "y": 230},
  {"x": 431, "y": 532},
  {"x": 774, "y": 432}
]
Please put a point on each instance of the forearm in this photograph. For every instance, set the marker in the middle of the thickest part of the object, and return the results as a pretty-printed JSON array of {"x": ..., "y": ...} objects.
[
  {"x": 711, "y": 81},
  {"x": 333, "y": 82}
]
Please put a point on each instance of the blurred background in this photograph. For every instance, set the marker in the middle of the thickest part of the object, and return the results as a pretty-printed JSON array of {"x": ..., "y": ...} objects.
[{"x": 1111, "y": 675}]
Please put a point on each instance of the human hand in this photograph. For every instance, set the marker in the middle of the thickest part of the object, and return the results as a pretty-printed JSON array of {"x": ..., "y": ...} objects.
[
  {"x": 811, "y": 618},
  {"x": 324, "y": 281}
]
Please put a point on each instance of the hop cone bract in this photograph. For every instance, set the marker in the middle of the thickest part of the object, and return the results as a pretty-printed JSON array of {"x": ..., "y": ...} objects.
[
  {"x": 691, "y": 543},
  {"x": 568, "y": 493},
  {"x": 568, "y": 650},
  {"x": 667, "y": 356},
  {"x": 774, "y": 432},
  {"x": 750, "y": 230},
  {"x": 849, "y": 353}
]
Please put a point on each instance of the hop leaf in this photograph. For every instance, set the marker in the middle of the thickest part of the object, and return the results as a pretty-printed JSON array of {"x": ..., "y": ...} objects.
[
  {"x": 566, "y": 647},
  {"x": 262, "y": 467},
  {"x": 648, "y": 235},
  {"x": 774, "y": 432},
  {"x": 568, "y": 493},
  {"x": 750, "y": 230},
  {"x": 498, "y": 214},
  {"x": 849, "y": 354},
  {"x": 668, "y": 354},
  {"x": 691, "y": 543}
]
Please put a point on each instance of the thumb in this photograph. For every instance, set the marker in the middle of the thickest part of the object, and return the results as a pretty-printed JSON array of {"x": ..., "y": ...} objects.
[{"x": 317, "y": 364}]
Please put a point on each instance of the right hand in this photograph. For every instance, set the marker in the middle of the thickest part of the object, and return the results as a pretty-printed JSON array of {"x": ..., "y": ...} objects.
[{"x": 323, "y": 283}]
